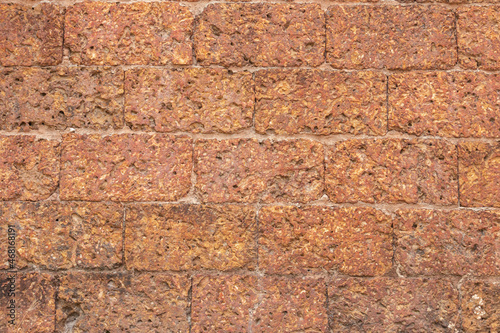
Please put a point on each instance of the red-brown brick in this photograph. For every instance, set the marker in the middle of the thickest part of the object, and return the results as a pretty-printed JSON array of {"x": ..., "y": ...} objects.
[
  {"x": 291, "y": 305},
  {"x": 314, "y": 239},
  {"x": 393, "y": 305},
  {"x": 451, "y": 242},
  {"x": 479, "y": 167},
  {"x": 481, "y": 305},
  {"x": 223, "y": 303},
  {"x": 141, "y": 33},
  {"x": 320, "y": 102},
  {"x": 260, "y": 35},
  {"x": 29, "y": 167},
  {"x": 125, "y": 167},
  {"x": 451, "y": 104},
  {"x": 392, "y": 171},
  {"x": 389, "y": 36},
  {"x": 56, "y": 235},
  {"x": 183, "y": 237},
  {"x": 31, "y": 35},
  {"x": 246, "y": 170},
  {"x": 34, "y": 302},
  {"x": 61, "y": 97},
  {"x": 195, "y": 100},
  {"x": 120, "y": 302},
  {"x": 478, "y": 36}
]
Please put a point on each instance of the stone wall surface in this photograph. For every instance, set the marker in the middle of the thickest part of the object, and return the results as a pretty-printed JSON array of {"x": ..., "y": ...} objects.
[{"x": 249, "y": 166}]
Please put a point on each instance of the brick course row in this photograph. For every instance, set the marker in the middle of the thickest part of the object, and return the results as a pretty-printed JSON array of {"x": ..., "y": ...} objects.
[
  {"x": 279, "y": 101},
  {"x": 158, "y": 167},
  {"x": 356, "y": 241},
  {"x": 357, "y": 36},
  {"x": 240, "y": 303}
]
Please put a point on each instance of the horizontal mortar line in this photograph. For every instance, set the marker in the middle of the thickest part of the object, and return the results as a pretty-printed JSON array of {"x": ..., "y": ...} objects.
[
  {"x": 322, "y": 275},
  {"x": 245, "y": 134},
  {"x": 260, "y": 205},
  {"x": 325, "y": 67}
]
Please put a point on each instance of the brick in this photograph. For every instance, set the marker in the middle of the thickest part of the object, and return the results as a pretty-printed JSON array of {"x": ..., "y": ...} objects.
[
  {"x": 183, "y": 237},
  {"x": 454, "y": 242},
  {"x": 122, "y": 302},
  {"x": 478, "y": 37},
  {"x": 392, "y": 171},
  {"x": 292, "y": 305},
  {"x": 320, "y": 102},
  {"x": 142, "y": 33},
  {"x": 125, "y": 167},
  {"x": 31, "y": 35},
  {"x": 56, "y": 235},
  {"x": 246, "y": 170},
  {"x": 61, "y": 97},
  {"x": 481, "y": 306},
  {"x": 223, "y": 303},
  {"x": 355, "y": 241},
  {"x": 29, "y": 167},
  {"x": 260, "y": 34},
  {"x": 194, "y": 99},
  {"x": 454, "y": 104},
  {"x": 34, "y": 302},
  {"x": 479, "y": 167},
  {"x": 392, "y": 37},
  {"x": 393, "y": 305}
]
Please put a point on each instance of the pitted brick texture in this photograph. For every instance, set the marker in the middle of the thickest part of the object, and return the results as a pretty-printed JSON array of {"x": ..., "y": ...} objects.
[
  {"x": 34, "y": 300},
  {"x": 29, "y": 167},
  {"x": 453, "y": 104},
  {"x": 481, "y": 305},
  {"x": 125, "y": 167},
  {"x": 183, "y": 237},
  {"x": 320, "y": 102},
  {"x": 355, "y": 241},
  {"x": 54, "y": 235},
  {"x": 393, "y": 305},
  {"x": 246, "y": 170},
  {"x": 61, "y": 97},
  {"x": 31, "y": 35},
  {"x": 194, "y": 100},
  {"x": 479, "y": 166},
  {"x": 99, "y": 302},
  {"x": 389, "y": 36},
  {"x": 284, "y": 35},
  {"x": 478, "y": 32},
  {"x": 432, "y": 242},
  {"x": 393, "y": 171},
  {"x": 141, "y": 33}
]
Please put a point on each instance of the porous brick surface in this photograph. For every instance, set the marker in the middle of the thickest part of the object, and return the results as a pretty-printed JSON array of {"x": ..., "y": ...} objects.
[
  {"x": 389, "y": 36},
  {"x": 61, "y": 97},
  {"x": 392, "y": 170},
  {"x": 260, "y": 34},
  {"x": 320, "y": 102},
  {"x": 250, "y": 166},
  {"x": 181, "y": 237},
  {"x": 355, "y": 241},
  {"x": 393, "y": 305},
  {"x": 34, "y": 302},
  {"x": 31, "y": 35},
  {"x": 194, "y": 100},
  {"x": 448, "y": 104},
  {"x": 125, "y": 167},
  {"x": 117, "y": 302},
  {"x": 479, "y": 166},
  {"x": 141, "y": 33},
  {"x": 246, "y": 170}
]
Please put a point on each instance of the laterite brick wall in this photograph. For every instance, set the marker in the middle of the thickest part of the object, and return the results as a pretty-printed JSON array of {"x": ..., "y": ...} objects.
[{"x": 261, "y": 166}]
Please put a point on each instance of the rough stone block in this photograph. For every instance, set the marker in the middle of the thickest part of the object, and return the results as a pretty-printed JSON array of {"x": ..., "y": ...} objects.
[{"x": 481, "y": 306}]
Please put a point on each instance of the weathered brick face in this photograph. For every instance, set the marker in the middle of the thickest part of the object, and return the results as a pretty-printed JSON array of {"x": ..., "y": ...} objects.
[{"x": 250, "y": 166}]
